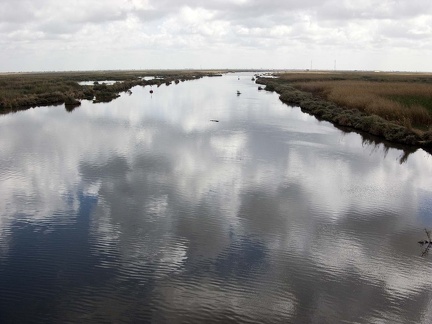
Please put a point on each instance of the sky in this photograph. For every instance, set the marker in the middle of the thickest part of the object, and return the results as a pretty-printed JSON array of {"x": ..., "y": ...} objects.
[{"x": 52, "y": 35}]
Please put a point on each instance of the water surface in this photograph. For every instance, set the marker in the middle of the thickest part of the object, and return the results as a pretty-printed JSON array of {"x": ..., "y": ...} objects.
[{"x": 145, "y": 210}]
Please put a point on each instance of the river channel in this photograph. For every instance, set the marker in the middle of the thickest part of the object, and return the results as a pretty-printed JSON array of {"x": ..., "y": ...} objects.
[{"x": 198, "y": 205}]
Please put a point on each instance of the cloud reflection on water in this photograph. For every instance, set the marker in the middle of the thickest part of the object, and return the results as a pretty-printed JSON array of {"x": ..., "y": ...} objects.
[{"x": 267, "y": 215}]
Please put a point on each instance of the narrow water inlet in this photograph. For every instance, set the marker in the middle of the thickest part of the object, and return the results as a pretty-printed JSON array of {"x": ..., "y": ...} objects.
[{"x": 199, "y": 205}]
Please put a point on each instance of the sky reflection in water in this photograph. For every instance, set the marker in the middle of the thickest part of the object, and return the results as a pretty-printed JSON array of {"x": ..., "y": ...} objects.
[{"x": 144, "y": 209}]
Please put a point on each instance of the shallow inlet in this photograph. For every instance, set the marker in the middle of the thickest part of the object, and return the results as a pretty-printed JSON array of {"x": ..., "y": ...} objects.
[
  {"x": 108, "y": 82},
  {"x": 144, "y": 209}
]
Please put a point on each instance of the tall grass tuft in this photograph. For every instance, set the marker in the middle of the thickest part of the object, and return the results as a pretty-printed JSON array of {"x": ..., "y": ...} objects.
[{"x": 384, "y": 99}]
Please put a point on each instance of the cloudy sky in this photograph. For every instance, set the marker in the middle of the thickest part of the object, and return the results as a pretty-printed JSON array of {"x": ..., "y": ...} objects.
[{"x": 38, "y": 35}]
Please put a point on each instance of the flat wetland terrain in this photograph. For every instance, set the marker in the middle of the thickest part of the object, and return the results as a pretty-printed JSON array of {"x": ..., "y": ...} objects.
[
  {"x": 213, "y": 201},
  {"x": 20, "y": 91},
  {"x": 395, "y": 106}
]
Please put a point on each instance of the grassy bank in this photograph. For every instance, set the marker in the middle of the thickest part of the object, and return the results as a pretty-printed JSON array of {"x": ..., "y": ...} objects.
[
  {"x": 20, "y": 91},
  {"x": 396, "y": 107}
]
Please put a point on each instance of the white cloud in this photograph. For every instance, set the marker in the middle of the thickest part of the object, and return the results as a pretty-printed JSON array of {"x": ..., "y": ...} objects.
[{"x": 75, "y": 33}]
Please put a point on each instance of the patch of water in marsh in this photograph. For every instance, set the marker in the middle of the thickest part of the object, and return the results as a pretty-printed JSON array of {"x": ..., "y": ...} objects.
[
  {"x": 142, "y": 209},
  {"x": 107, "y": 82}
]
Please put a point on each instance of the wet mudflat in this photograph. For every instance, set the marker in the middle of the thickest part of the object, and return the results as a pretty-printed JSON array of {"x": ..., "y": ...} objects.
[{"x": 145, "y": 209}]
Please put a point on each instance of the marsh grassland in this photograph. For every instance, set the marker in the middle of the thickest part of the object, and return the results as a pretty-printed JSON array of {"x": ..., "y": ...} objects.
[
  {"x": 395, "y": 106},
  {"x": 20, "y": 91}
]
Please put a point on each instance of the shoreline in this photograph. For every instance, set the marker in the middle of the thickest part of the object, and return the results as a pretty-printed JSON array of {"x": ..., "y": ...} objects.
[
  {"x": 21, "y": 91},
  {"x": 350, "y": 118}
]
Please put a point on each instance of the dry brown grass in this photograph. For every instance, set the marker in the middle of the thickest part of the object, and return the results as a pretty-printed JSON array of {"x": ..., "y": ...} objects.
[
  {"x": 406, "y": 103},
  {"x": 396, "y": 107},
  {"x": 353, "y": 75}
]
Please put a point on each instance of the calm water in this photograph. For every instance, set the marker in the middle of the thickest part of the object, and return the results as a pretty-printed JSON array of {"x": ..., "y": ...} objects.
[{"x": 143, "y": 210}]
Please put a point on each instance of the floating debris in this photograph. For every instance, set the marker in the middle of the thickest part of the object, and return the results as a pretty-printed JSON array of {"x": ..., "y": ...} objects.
[
  {"x": 214, "y": 120},
  {"x": 427, "y": 242}
]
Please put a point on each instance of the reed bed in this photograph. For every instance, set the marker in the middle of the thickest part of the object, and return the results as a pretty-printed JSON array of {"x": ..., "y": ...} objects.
[
  {"x": 359, "y": 76},
  {"x": 393, "y": 106},
  {"x": 406, "y": 103}
]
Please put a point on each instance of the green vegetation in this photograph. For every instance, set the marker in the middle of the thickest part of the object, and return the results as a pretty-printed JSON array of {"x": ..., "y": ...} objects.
[
  {"x": 412, "y": 100},
  {"x": 20, "y": 91},
  {"x": 394, "y": 106},
  {"x": 378, "y": 98}
]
